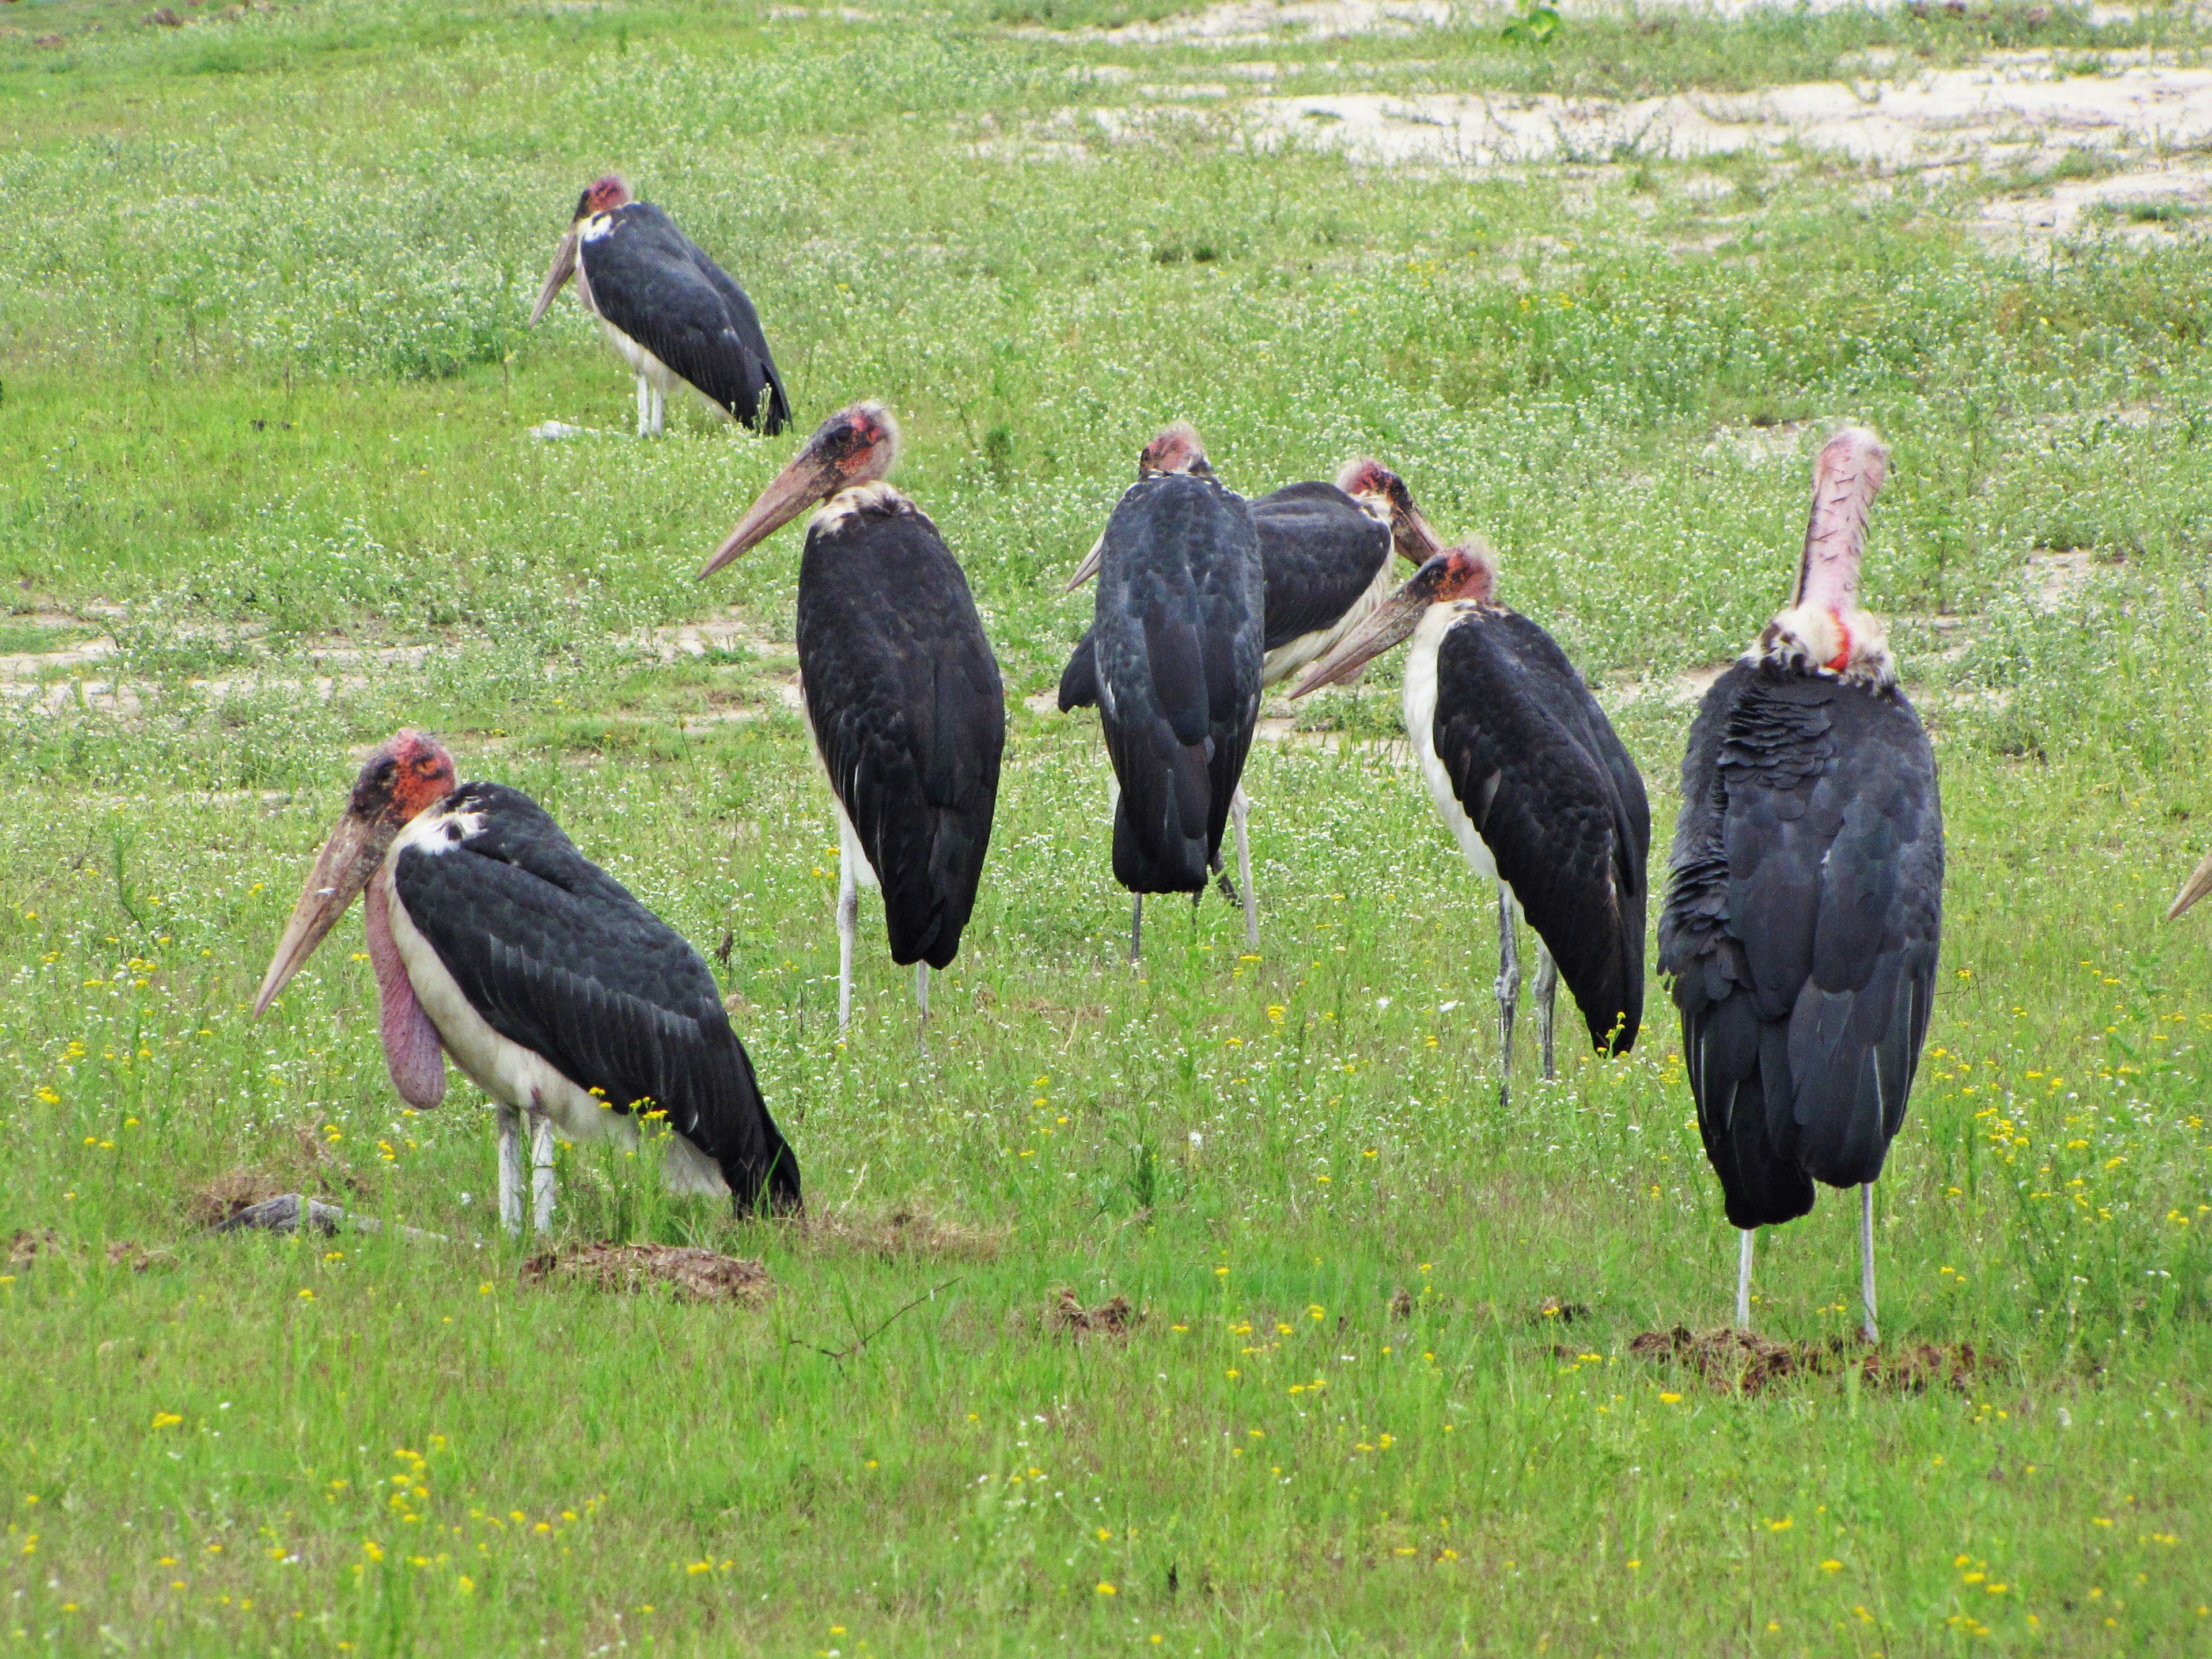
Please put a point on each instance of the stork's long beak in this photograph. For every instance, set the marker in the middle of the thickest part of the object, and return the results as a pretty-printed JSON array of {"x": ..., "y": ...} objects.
[
  {"x": 1414, "y": 538},
  {"x": 564, "y": 267},
  {"x": 1393, "y": 623},
  {"x": 2199, "y": 885},
  {"x": 349, "y": 859},
  {"x": 1088, "y": 567},
  {"x": 811, "y": 478}
]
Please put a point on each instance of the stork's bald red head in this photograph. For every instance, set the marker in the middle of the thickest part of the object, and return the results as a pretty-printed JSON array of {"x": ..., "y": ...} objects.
[
  {"x": 858, "y": 445},
  {"x": 1468, "y": 572},
  {"x": 1176, "y": 449},
  {"x": 604, "y": 195},
  {"x": 409, "y": 773},
  {"x": 1411, "y": 538}
]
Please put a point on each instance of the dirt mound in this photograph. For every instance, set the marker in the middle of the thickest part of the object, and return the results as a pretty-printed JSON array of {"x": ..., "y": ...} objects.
[
  {"x": 906, "y": 1231},
  {"x": 1745, "y": 1363},
  {"x": 1066, "y": 1315},
  {"x": 29, "y": 1244},
  {"x": 229, "y": 1193},
  {"x": 693, "y": 1274}
]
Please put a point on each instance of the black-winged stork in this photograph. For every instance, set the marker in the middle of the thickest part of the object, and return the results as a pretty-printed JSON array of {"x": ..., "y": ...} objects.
[
  {"x": 902, "y": 696},
  {"x": 1325, "y": 553},
  {"x": 670, "y": 311},
  {"x": 1528, "y": 775},
  {"x": 1177, "y": 635},
  {"x": 561, "y": 997},
  {"x": 1807, "y": 906}
]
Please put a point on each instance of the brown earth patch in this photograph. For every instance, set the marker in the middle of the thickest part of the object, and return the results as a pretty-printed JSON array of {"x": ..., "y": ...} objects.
[
  {"x": 903, "y": 1231},
  {"x": 29, "y": 1244},
  {"x": 693, "y": 1274},
  {"x": 1744, "y": 1363},
  {"x": 1565, "y": 1312},
  {"x": 1066, "y": 1315}
]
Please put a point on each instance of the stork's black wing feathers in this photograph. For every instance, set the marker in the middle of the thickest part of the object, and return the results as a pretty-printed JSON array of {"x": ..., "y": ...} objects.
[
  {"x": 659, "y": 287},
  {"x": 1177, "y": 637},
  {"x": 1802, "y": 930},
  {"x": 1078, "y": 681},
  {"x": 1538, "y": 769},
  {"x": 1321, "y": 551},
  {"x": 557, "y": 957},
  {"x": 908, "y": 713}
]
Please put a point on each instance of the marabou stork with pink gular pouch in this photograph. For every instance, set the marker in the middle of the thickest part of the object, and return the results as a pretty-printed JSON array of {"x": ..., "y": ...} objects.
[
  {"x": 561, "y": 997},
  {"x": 670, "y": 310},
  {"x": 901, "y": 693},
  {"x": 1806, "y": 913},
  {"x": 1526, "y": 773},
  {"x": 1177, "y": 638},
  {"x": 1325, "y": 556}
]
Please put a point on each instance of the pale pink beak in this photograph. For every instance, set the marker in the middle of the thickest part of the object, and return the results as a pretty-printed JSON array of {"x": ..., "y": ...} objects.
[
  {"x": 1392, "y": 623},
  {"x": 808, "y": 479},
  {"x": 1088, "y": 567},
  {"x": 564, "y": 267},
  {"x": 349, "y": 859},
  {"x": 2199, "y": 885}
]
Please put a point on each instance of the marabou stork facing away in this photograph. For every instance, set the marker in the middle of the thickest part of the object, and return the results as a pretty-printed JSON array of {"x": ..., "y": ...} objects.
[
  {"x": 1526, "y": 772},
  {"x": 1807, "y": 906},
  {"x": 1325, "y": 553},
  {"x": 1178, "y": 641},
  {"x": 560, "y": 996},
  {"x": 903, "y": 695},
  {"x": 672, "y": 312}
]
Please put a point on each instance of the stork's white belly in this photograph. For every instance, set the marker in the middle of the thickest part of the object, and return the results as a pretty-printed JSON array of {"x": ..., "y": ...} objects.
[
  {"x": 849, "y": 839},
  {"x": 511, "y": 1073},
  {"x": 1287, "y": 658},
  {"x": 641, "y": 361},
  {"x": 1420, "y": 705}
]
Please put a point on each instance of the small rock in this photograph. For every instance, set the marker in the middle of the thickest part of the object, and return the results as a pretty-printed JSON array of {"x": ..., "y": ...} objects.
[
  {"x": 162, "y": 17},
  {"x": 554, "y": 431}
]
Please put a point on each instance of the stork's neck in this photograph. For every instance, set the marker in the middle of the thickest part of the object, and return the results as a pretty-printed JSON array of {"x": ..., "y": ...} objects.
[
  {"x": 840, "y": 511},
  {"x": 1844, "y": 643}
]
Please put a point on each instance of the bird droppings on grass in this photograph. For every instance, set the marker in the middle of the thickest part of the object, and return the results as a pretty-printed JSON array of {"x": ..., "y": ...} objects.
[
  {"x": 690, "y": 1273},
  {"x": 1066, "y": 1315},
  {"x": 1740, "y": 1362}
]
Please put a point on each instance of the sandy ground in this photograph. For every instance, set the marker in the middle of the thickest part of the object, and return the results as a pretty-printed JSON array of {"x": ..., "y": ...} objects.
[{"x": 2015, "y": 106}]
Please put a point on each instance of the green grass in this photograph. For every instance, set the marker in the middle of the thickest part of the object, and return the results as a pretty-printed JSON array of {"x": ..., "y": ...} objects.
[{"x": 264, "y": 385}]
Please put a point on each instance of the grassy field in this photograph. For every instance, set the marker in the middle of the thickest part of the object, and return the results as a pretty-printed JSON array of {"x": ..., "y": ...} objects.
[{"x": 267, "y": 491}]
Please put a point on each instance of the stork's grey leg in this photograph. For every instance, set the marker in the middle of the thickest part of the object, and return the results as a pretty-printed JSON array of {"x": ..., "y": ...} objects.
[
  {"x": 659, "y": 410},
  {"x": 1508, "y": 991},
  {"x": 1137, "y": 929},
  {"x": 1239, "y": 807},
  {"x": 541, "y": 1172},
  {"x": 848, "y": 918},
  {"x": 1743, "y": 1281},
  {"x": 1866, "y": 1258},
  {"x": 644, "y": 407},
  {"x": 510, "y": 1168},
  {"x": 1547, "y": 997},
  {"x": 922, "y": 990}
]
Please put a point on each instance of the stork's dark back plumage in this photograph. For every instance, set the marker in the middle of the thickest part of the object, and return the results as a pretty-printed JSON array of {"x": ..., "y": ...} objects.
[
  {"x": 658, "y": 286},
  {"x": 557, "y": 956},
  {"x": 907, "y": 709},
  {"x": 1540, "y": 772},
  {"x": 1801, "y": 928},
  {"x": 1319, "y": 552},
  {"x": 1178, "y": 626}
]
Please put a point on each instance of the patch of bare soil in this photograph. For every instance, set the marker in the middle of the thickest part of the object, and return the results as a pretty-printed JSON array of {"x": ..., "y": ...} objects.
[
  {"x": 903, "y": 1231},
  {"x": 691, "y": 1274},
  {"x": 1737, "y": 1362},
  {"x": 310, "y": 1167},
  {"x": 1565, "y": 1312},
  {"x": 1066, "y": 1315},
  {"x": 30, "y": 1243}
]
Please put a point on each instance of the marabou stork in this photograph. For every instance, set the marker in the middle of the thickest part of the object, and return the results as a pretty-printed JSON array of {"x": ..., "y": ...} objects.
[
  {"x": 672, "y": 312},
  {"x": 1325, "y": 552},
  {"x": 560, "y": 996},
  {"x": 1526, "y": 774},
  {"x": 902, "y": 696},
  {"x": 1801, "y": 927},
  {"x": 1177, "y": 643}
]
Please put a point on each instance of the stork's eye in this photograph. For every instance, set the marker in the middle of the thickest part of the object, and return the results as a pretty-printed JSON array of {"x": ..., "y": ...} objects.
[{"x": 385, "y": 768}]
